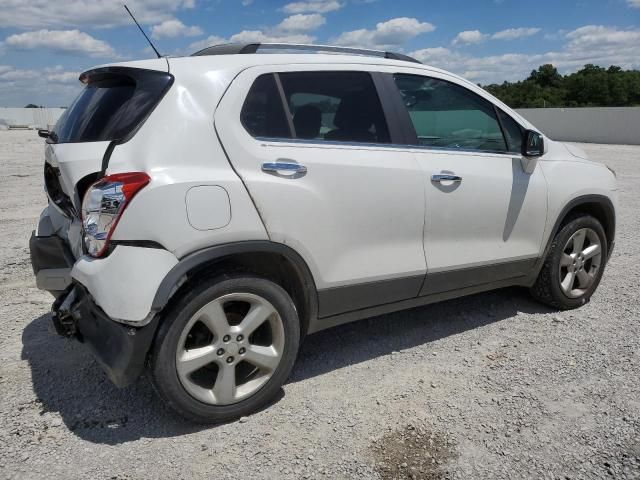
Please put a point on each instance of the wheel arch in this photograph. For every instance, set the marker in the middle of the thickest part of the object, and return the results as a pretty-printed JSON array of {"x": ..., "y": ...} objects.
[
  {"x": 599, "y": 206},
  {"x": 274, "y": 261}
]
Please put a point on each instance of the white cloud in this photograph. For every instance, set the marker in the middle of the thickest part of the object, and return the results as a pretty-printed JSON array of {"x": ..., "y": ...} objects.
[
  {"x": 65, "y": 41},
  {"x": 174, "y": 28},
  {"x": 293, "y": 29},
  {"x": 589, "y": 44},
  {"x": 513, "y": 33},
  {"x": 204, "y": 43},
  {"x": 48, "y": 86},
  {"x": 248, "y": 36},
  {"x": 85, "y": 13},
  {"x": 389, "y": 34},
  {"x": 59, "y": 75},
  {"x": 301, "y": 23},
  {"x": 468, "y": 37},
  {"x": 634, "y": 3},
  {"x": 314, "y": 6}
]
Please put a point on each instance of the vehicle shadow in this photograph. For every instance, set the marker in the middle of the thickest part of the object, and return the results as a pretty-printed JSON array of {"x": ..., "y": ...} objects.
[{"x": 67, "y": 380}]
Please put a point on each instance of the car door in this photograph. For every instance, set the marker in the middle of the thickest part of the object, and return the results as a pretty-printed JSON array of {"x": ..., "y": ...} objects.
[
  {"x": 486, "y": 208},
  {"x": 313, "y": 147}
]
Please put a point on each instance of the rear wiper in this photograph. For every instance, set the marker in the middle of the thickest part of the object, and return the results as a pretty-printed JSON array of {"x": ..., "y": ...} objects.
[{"x": 49, "y": 134}]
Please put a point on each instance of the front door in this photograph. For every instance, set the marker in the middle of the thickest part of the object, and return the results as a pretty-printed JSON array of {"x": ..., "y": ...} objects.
[{"x": 485, "y": 214}]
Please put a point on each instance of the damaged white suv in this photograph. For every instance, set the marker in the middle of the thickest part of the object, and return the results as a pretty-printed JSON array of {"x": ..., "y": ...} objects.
[{"x": 206, "y": 213}]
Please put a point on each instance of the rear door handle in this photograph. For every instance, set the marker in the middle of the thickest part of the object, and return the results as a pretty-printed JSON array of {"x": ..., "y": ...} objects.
[
  {"x": 445, "y": 177},
  {"x": 288, "y": 167}
]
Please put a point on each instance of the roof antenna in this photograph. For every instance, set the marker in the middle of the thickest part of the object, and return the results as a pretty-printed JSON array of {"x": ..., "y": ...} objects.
[{"x": 145, "y": 35}]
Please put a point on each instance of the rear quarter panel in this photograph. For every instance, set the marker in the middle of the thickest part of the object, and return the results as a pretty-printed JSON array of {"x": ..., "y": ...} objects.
[{"x": 178, "y": 147}]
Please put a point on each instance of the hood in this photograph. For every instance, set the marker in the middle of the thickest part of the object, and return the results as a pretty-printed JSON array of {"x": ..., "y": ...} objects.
[{"x": 576, "y": 151}]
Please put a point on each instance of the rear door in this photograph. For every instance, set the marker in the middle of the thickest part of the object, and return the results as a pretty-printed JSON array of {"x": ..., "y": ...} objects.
[
  {"x": 485, "y": 214},
  {"x": 314, "y": 149}
]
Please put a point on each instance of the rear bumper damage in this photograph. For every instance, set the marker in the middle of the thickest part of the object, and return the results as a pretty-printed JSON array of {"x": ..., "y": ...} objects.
[
  {"x": 120, "y": 349},
  {"x": 51, "y": 261}
]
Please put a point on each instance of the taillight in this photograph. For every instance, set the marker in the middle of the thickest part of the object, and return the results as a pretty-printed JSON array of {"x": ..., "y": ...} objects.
[{"x": 103, "y": 205}]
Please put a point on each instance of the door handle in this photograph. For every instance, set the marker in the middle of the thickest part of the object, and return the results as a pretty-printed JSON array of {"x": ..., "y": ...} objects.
[
  {"x": 445, "y": 177},
  {"x": 289, "y": 167}
]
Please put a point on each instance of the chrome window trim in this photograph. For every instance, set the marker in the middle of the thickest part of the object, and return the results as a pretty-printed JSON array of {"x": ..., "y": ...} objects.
[{"x": 330, "y": 143}]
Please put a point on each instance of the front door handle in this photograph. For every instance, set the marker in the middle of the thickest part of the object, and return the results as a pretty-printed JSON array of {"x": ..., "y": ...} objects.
[
  {"x": 445, "y": 177},
  {"x": 285, "y": 167}
]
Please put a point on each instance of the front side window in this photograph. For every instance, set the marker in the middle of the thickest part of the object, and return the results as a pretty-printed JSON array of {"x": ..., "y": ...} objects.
[
  {"x": 512, "y": 132},
  {"x": 446, "y": 115}
]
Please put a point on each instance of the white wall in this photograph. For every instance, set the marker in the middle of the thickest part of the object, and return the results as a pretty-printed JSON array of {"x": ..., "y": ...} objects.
[
  {"x": 30, "y": 117},
  {"x": 619, "y": 125}
]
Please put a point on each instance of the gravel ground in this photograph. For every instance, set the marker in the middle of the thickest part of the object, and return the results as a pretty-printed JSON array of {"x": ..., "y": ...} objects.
[{"x": 490, "y": 386}]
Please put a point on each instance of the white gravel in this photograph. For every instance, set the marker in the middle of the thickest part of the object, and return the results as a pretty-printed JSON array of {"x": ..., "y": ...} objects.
[{"x": 503, "y": 386}]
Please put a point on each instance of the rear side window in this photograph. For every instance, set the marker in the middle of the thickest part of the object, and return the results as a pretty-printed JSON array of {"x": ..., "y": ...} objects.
[
  {"x": 113, "y": 104},
  {"x": 512, "y": 132},
  {"x": 331, "y": 106},
  {"x": 263, "y": 112},
  {"x": 446, "y": 115},
  {"x": 335, "y": 106}
]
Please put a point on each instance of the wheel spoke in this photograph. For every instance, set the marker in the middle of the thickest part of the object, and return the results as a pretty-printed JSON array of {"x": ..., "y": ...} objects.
[
  {"x": 591, "y": 251},
  {"x": 578, "y": 240},
  {"x": 224, "y": 389},
  {"x": 567, "y": 283},
  {"x": 213, "y": 316},
  {"x": 192, "y": 360},
  {"x": 257, "y": 315},
  {"x": 583, "y": 279},
  {"x": 262, "y": 357},
  {"x": 566, "y": 260}
]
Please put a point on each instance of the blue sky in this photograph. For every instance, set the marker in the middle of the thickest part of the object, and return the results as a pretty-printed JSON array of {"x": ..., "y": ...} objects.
[{"x": 45, "y": 44}]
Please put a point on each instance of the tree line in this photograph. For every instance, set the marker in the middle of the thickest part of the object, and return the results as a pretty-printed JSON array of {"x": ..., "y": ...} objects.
[{"x": 593, "y": 86}]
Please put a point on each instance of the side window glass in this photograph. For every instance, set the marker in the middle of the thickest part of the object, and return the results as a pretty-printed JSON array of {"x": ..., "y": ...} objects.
[
  {"x": 446, "y": 115},
  {"x": 263, "y": 114},
  {"x": 335, "y": 106},
  {"x": 512, "y": 132}
]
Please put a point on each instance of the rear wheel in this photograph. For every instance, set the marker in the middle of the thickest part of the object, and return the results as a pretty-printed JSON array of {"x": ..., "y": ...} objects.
[
  {"x": 574, "y": 265},
  {"x": 226, "y": 348}
]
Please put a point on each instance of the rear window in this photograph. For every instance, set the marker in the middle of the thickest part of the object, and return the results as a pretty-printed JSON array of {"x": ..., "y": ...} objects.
[{"x": 112, "y": 105}]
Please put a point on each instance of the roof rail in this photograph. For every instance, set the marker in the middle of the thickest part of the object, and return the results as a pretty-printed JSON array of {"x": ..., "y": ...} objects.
[{"x": 243, "y": 48}]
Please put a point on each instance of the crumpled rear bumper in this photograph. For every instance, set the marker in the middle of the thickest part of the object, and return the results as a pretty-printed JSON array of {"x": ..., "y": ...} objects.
[
  {"x": 51, "y": 261},
  {"x": 120, "y": 349}
]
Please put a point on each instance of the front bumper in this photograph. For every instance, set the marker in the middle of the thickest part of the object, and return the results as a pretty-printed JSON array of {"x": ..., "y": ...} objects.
[{"x": 120, "y": 349}]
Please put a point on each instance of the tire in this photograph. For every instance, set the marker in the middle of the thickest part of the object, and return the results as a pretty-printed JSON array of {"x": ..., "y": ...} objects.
[
  {"x": 205, "y": 394},
  {"x": 548, "y": 288}
]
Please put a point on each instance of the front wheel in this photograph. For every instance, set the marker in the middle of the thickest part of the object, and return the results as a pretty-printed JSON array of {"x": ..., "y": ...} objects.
[
  {"x": 225, "y": 348},
  {"x": 574, "y": 265}
]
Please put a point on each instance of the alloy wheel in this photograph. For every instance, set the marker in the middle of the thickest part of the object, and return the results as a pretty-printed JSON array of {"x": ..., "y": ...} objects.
[
  {"x": 579, "y": 262},
  {"x": 230, "y": 348}
]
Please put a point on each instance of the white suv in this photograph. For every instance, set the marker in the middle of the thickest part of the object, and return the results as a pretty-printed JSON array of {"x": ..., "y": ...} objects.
[{"x": 206, "y": 213}]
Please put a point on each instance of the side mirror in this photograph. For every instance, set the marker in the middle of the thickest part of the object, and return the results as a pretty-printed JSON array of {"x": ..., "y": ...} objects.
[
  {"x": 44, "y": 133},
  {"x": 533, "y": 144}
]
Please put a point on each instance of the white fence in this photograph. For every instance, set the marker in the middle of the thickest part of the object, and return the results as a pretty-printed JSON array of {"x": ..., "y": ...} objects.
[
  {"x": 619, "y": 125},
  {"x": 29, "y": 117}
]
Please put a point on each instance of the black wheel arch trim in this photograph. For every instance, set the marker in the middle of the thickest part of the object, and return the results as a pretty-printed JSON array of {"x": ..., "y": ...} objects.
[
  {"x": 610, "y": 229},
  {"x": 177, "y": 275}
]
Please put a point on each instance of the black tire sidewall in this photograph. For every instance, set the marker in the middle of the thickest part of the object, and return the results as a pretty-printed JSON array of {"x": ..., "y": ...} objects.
[
  {"x": 561, "y": 240},
  {"x": 163, "y": 358}
]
